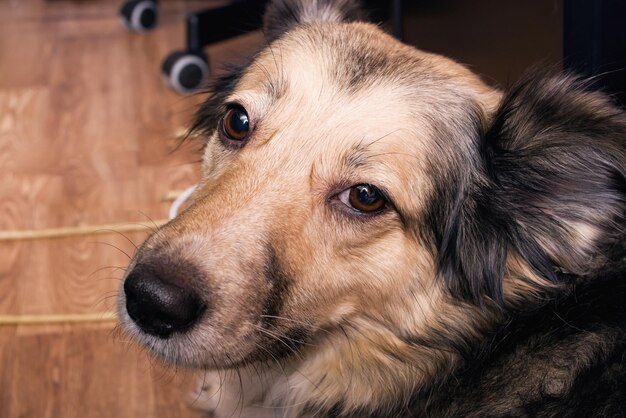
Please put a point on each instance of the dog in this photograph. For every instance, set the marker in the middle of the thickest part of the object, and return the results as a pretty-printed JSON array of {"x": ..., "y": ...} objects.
[{"x": 378, "y": 233}]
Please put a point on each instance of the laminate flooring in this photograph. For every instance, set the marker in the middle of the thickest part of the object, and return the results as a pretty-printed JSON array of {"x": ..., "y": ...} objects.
[{"x": 89, "y": 134}]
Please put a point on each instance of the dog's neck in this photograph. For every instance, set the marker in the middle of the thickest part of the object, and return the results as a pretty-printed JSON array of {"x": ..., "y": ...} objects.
[
  {"x": 365, "y": 362},
  {"x": 364, "y": 366},
  {"x": 361, "y": 365}
]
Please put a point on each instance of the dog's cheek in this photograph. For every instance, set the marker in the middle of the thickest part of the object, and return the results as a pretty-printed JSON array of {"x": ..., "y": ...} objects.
[
  {"x": 214, "y": 158},
  {"x": 337, "y": 279}
]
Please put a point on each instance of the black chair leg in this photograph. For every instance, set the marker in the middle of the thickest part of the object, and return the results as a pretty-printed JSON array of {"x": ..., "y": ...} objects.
[
  {"x": 214, "y": 25},
  {"x": 140, "y": 15},
  {"x": 187, "y": 70}
]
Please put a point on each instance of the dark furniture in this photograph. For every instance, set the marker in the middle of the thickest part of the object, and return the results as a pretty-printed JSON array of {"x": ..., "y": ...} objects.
[
  {"x": 186, "y": 70},
  {"x": 594, "y": 38}
]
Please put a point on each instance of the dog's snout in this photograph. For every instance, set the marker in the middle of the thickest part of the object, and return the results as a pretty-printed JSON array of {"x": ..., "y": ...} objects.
[{"x": 158, "y": 306}]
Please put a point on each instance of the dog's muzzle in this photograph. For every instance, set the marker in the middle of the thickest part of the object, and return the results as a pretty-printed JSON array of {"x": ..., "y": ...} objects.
[{"x": 157, "y": 305}]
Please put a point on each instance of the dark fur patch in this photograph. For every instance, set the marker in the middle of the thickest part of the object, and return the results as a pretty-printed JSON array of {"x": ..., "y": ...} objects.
[
  {"x": 278, "y": 282},
  {"x": 359, "y": 65},
  {"x": 173, "y": 270},
  {"x": 282, "y": 338},
  {"x": 287, "y": 343},
  {"x": 565, "y": 359},
  {"x": 282, "y": 15},
  {"x": 210, "y": 112},
  {"x": 469, "y": 234},
  {"x": 554, "y": 158}
]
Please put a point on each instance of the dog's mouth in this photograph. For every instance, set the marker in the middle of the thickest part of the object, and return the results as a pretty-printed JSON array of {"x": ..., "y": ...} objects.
[
  {"x": 181, "y": 324},
  {"x": 204, "y": 345}
]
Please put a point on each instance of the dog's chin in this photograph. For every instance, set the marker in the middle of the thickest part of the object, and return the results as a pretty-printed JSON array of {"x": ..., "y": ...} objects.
[{"x": 186, "y": 349}]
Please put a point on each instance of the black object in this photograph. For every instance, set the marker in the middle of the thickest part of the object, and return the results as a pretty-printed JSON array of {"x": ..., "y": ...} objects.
[
  {"x": 594, "y": 43},
  {"x": 182, "y": 69},
  {"x": 140, "y": 15},
  {"x": 185, "y": 71},
  {"x": 158, "y": 307},
  {"x": 396, "y": 18}
]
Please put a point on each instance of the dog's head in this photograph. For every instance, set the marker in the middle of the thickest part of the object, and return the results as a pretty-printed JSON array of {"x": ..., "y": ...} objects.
[{"x": 355, "y": 189}]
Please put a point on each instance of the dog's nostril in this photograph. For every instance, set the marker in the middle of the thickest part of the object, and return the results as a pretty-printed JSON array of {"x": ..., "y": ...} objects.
[{"x": 158, "y": 307}]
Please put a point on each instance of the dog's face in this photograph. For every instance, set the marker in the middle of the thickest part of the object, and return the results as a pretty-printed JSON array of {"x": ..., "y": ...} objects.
[
  {"x": 356, "y": 191},
  {"x": 315, "y": 180}
]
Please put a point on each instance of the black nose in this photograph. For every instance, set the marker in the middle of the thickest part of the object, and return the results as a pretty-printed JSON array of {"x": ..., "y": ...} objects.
[{"x": 160, "y": 307}]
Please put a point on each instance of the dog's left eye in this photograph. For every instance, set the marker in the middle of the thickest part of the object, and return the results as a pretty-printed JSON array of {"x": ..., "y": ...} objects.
[
  {"x": 236, "y": 124},
  {"x": 364, "y": 198}
]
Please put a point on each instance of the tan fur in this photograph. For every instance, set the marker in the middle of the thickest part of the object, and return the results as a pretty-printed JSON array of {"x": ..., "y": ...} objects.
[
  {"x": 364, "y": 287},
  {"x": 522, "y": 283}
]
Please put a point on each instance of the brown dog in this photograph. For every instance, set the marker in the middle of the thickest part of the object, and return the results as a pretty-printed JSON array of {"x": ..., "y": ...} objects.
[{"x": 379, "y": 233}]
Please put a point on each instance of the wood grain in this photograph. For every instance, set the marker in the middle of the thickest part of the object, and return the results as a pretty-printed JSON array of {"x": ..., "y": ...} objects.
[
  {"x": 47, "y": 319},
  {"x": 89, "y": 135},
  {"x": 71, "y": 231}
]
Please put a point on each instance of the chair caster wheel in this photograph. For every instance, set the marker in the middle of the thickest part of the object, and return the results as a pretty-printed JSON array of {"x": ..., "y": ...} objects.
[
  {"x": 139, "y": 15},
  {"x": 185, "y": 72}
]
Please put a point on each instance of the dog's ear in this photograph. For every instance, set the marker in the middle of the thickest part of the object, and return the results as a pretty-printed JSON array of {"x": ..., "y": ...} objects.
[
  {"x": 552, "y": 188},
  {"x": 282, "y": 15}
]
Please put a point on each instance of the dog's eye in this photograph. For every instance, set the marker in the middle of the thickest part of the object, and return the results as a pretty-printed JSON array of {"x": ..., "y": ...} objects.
[
  {"x": 364, "y": 198},
  {"x": 236, "y": 124}
]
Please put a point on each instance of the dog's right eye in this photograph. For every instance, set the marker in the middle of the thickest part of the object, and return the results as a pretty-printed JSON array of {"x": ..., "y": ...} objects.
[
  {"x": 364, "y": 198},
  {"x": 236, "y": 124}
]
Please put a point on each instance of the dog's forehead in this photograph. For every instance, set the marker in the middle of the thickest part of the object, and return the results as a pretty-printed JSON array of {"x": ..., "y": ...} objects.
[
  {"x": 334, "y": 60},
  {"x": 353, "y": 96},
  {"x": 356, "y": 71},
  {"x": 327, "y": 76}
]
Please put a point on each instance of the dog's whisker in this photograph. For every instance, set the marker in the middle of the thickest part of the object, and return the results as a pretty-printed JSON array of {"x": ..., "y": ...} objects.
[
  {"x": 385, "y": 154},
  {"x": 107, "y": 296},
  {"x": 113, "y": 246},
  {"x": 156, "y": 227},
  {"x": 123, "y": 269},
  {"x": 265, "y": 71},
  {"x": 239, "y": 404},
  {"x": 280, "y": 340},
  {"x": 381, "y": 138},
  {"x": 122, "y": 235},
  {"x": 295, "y": 321},
  {"x": 111, "y": 278}
]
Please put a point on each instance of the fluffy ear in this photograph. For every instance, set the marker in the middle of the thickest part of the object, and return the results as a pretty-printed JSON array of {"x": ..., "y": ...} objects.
[
  {"x": 552, "y": 188},
  {"x": 282, "y": 15}
]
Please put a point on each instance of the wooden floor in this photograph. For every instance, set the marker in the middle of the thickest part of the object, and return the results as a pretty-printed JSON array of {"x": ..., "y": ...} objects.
[{"x": 88, "y": 135}]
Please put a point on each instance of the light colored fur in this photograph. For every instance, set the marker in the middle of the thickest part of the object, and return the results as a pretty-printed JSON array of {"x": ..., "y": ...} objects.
[{"x": 366, "y": 288}]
